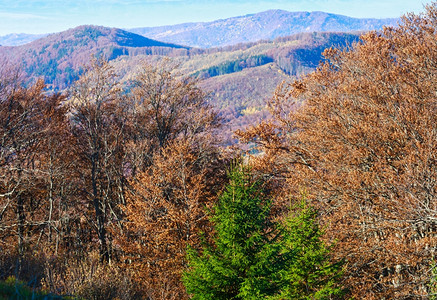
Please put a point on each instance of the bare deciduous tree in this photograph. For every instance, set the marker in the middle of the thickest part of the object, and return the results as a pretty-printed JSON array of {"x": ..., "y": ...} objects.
[{"x": 98, "y": 119}]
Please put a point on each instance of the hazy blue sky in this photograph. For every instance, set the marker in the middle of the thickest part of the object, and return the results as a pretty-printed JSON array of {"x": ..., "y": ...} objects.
[{"x": 38, "y": 16}]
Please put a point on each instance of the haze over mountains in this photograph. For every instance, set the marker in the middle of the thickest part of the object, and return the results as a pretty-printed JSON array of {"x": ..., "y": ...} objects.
[
  {"x": 17, "y": 39},
  {"x": 249, "y": 28},
  {"x": 265, "y": 25}
]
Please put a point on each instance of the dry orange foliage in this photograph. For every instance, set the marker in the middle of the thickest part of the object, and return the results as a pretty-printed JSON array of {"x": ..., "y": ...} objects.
[
  {"x": 360, "y": 136},
  {"x": 166, "y": 212},
  {"x": 37, "y": 210}
]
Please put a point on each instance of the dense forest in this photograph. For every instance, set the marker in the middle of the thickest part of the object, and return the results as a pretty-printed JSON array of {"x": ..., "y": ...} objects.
[{"x": 120, "y": 187}]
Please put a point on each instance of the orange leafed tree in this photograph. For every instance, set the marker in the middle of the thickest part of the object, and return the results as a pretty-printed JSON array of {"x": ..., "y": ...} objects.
[
  {"x": 175, "y": 170},
  {"x": 360, "y": 135},
  {"x": 36, "y": 209},
  {"x": 166, "y": 212}
]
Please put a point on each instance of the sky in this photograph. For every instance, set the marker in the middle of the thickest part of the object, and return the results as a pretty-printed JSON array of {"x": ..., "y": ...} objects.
[{"x": 38, "y": 16}]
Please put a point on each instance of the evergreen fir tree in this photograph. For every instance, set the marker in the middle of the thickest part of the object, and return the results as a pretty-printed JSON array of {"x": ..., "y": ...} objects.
[
  {"x": 252, "y": 257},
  {"x": 310, "y": 274}
]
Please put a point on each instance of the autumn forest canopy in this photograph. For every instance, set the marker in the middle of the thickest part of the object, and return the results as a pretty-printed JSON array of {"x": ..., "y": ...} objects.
[{"x": 124, "y": 187}]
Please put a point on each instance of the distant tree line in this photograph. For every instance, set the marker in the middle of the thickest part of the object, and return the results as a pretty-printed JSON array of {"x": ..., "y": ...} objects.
[{"x": 233, "y": 66}]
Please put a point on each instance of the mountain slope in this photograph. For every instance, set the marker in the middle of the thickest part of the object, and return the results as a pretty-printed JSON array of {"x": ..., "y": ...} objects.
[
  {"x": 265, "y": 25},
  {"x": 59, "y": 57}
]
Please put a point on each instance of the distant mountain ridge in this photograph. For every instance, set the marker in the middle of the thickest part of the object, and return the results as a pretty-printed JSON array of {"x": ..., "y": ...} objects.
[
  {"x": 249, "y": 28},
  {"x": 265, "y": 25},
  {"x": 17, "y": 39}
]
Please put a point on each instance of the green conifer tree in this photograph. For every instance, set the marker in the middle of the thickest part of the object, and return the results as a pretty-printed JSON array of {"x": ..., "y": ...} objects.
[
  {"x": 310, "y": 274},
  {"x": 252, "y": 257}
]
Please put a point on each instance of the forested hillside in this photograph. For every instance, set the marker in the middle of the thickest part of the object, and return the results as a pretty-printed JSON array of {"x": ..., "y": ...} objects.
[
  {"x": 58, "y": 58},
  {"x": 122, "y": 186}
]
